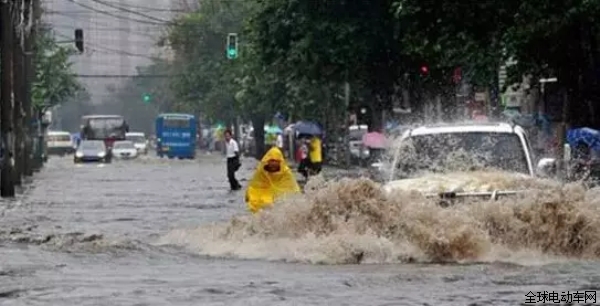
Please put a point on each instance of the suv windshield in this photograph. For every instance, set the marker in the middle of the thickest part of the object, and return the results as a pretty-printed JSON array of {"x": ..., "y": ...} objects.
[{"x": 468, "y": 151}]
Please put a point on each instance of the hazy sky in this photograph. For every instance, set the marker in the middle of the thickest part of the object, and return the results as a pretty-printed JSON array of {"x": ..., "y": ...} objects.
[{"x": 119, "y": 35}]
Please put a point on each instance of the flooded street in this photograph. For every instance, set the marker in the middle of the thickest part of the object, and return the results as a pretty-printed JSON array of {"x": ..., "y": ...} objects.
[{"x": 99, "y": 235}]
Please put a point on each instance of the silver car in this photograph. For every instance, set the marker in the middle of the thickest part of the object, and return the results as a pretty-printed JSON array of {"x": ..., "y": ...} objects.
[{"x": 92, "y": 151}]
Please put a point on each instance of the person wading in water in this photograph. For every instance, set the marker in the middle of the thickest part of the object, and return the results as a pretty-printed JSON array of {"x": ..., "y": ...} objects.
[{"x": 233, "y": 160}]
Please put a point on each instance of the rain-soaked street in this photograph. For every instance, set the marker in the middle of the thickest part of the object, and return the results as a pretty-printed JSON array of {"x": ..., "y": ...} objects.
[{"x": 95, "y": 235}]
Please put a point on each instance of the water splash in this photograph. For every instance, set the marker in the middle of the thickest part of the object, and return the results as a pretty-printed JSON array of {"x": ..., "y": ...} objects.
[{"x": 354, "y": 221}]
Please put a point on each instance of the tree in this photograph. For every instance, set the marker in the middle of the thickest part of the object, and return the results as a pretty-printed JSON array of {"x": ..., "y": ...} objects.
[
  {"x": 546, "y": 39},
  {"x": 198, "y": 40},
  {"x": 296, "y": 55},
  {"x": 560, "y": 39},
  {"x": 54, "y": 81},
  {"x": 213, "y": 85},
  {"x": 445, "y": 34},
  {"x": 329, "y": 43}
]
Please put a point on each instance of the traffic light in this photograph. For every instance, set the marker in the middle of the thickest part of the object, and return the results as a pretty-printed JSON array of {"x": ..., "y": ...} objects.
[
  {"x": 146, "y": 98},
  {"x": 424, "y": 70},
  {"x": 79, "y": 39},
  {"x": 232, "y": 46}
]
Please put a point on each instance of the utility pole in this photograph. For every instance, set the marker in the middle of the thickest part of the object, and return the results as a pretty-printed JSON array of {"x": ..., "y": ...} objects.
[
  {"x": 18, "y": 87},
  {"x": 36, "y": 133},
  {"x": 29, "y": 75},
  {"x": 7, "y": 188}
]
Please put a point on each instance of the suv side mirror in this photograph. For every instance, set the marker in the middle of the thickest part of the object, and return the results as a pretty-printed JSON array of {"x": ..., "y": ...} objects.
[{"x": 546, "y": 167}]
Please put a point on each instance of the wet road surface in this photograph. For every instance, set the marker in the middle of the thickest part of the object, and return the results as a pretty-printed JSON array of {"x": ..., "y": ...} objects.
[{"x": 84, "y": 235}]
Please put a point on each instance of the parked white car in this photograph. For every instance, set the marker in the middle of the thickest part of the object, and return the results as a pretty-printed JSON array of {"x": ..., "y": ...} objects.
[{"x": 124, "y": 150}]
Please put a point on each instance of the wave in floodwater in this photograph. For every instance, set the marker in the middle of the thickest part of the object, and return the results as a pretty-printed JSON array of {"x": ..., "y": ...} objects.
[
  {"x": 74, "y": 242},
  {"x": 355, "y": 221}
]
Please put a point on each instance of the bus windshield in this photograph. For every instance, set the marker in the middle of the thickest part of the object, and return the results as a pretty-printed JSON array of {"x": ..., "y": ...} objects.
[
  {"x": 106, "y": 123},
  {"x": 104, "y": 127}
]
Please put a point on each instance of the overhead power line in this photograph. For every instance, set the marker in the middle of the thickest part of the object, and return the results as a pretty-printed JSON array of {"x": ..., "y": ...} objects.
[
  {"x": 115, "y": 15},
  {"x": 122, "y": 9},
  {"x": 115, "y": 76},
  {"x": 152, "y": 37},
  {"x": 87, "y": 11},
  {"x": 146, "y": 8}
]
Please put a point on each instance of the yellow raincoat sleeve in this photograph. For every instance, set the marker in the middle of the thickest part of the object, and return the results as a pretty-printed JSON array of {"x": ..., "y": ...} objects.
[{"x": 265, "y": 187}]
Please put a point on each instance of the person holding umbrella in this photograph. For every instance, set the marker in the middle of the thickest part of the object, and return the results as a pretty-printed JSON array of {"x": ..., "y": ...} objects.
[
  {"x": 303, "y": 165},
  {"x": 315, "y": 154}
]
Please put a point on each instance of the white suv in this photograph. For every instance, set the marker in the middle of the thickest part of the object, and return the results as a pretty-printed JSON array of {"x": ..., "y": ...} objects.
[{"x": 496, "y": 145}]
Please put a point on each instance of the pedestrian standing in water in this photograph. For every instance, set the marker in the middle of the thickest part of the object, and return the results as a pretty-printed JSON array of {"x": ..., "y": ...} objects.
[{"x": 233, "y": 160}]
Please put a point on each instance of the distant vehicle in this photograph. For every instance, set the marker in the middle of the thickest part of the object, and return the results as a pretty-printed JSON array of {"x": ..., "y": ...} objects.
[
  {"x": 124, "y": 149},
  {"x": 139, "y": 140},
  {"x": 108, "y": 128},
  {"x": 59, "y": 143},
  {"x": 176, "y": 136},
  {"x": 357, "y": 150},
  {"x": 92, "y": 151}
]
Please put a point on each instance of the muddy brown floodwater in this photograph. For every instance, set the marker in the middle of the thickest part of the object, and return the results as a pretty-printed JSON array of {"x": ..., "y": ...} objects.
[{"x": 168, "y": 232}]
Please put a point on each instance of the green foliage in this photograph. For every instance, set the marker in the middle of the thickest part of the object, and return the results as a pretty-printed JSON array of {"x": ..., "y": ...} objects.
[
  {"x": 54, "y": 81},
  {"x": 554, "y": 38},
  {"x": 295, "y": 55},
  {"x": 449, "y": 34},
  {"x": 199, "y": 43},
  {"x": 217, "y": 86},
  {"x": 328, "y": 42}
]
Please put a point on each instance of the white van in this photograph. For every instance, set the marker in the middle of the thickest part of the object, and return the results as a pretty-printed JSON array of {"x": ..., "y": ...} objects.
[
  {"x": 59, "y": 143},
  {"x": 139, "y": 141}
]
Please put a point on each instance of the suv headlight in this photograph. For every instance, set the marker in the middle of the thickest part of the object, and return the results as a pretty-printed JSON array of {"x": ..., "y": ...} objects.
[
  {"x": 79, "y": 154},
  {"x": 101, "y": 154}
]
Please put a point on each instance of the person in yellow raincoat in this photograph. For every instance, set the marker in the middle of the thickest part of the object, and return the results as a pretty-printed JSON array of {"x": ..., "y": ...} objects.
[
  {"x": 315, "y": 155},
  {"x": 272, "y": 179}
]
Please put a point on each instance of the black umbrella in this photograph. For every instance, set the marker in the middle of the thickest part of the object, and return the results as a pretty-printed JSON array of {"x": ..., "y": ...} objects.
[{"x": 308, "y": 128}]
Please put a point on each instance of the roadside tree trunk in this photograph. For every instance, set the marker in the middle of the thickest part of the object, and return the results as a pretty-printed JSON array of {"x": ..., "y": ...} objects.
[
  {"x": 18, "y": 84},
  {"x": 7, "y": 188},
  {"x": 258, "y": 123}
]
